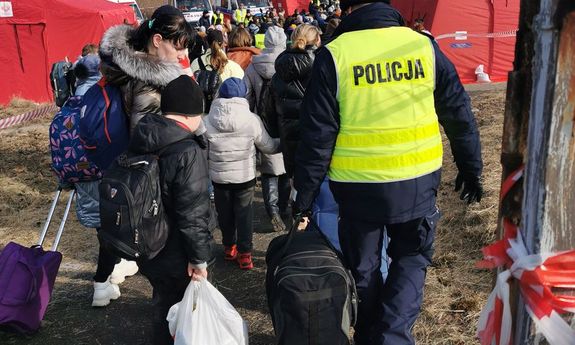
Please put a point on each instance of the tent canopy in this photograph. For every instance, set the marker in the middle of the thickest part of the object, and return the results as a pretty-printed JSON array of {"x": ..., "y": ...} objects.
[
  {"x": 42, "y": 32},
  {"x": 486, "y": 32}
]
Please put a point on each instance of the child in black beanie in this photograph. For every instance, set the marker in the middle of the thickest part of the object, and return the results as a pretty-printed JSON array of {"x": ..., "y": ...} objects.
[{"x": 184, "y": 181}]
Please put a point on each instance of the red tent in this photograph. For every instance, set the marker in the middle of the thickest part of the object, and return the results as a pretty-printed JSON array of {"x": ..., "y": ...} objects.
[
  {"x": 290, "y": 5},
  {"x": 470, "y": 33},
  {"x": 41, "y": 32}
]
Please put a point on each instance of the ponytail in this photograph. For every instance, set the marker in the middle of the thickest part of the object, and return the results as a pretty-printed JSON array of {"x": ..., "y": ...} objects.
[
  {"x": 304, "y": 35},
  {"x": 299, "y": 43},
  {"x": 141, "y": 37},
  {"x": 218, "y": 58}
]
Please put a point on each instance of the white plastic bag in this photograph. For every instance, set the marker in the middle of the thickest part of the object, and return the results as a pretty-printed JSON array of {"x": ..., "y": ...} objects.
[
  {"x": 205, "y": 317},
  {"x": 482, "y": 77}
]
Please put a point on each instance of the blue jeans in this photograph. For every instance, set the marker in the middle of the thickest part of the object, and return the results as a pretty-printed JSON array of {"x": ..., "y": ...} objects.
[
  {"x": 275, "y": 191},
  {"x": 325, "y": 213}
]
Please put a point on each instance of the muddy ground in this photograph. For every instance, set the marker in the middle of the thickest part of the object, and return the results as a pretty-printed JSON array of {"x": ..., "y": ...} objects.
[{"x": 455, "y": 290}]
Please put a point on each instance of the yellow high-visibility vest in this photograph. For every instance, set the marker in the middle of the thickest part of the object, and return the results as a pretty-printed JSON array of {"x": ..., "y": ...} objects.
[
  {"x": 260, "y": 41},
  {"x": 215, "y": 18},
  {"x": 388, "y": 126},
  {"x": 240, "y": 15}
]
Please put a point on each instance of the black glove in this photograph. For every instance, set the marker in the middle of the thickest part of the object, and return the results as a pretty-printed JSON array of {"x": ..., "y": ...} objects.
[{"x": 472, "y": 187}]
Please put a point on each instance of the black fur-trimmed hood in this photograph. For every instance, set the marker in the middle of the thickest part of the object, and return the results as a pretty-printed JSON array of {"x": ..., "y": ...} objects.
[{"x": 120, "y": 62}]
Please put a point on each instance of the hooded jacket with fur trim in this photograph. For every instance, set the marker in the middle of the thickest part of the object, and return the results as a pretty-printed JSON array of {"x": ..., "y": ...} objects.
[{"x": 139, "y": 75}]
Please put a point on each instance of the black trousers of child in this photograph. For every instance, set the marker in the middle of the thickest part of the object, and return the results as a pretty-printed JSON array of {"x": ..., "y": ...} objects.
[
  {"x": 106, "y": 263},
  {"x": 235, "y": 216}
]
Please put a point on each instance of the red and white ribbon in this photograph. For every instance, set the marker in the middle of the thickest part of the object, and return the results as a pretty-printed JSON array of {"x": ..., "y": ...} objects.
[
  {"x": 18, "y": 119},
  {"x": 537, "y": 275}
]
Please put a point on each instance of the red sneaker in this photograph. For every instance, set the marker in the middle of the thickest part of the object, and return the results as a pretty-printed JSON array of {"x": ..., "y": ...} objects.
[
  {"x": 245, "y": 261},
  {"x": 231, "y": 253}
]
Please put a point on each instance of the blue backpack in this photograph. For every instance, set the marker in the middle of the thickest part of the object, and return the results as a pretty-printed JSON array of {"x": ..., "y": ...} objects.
[
  {"x": 104, "y": 125},
  {"x": 69, "y": 160}
]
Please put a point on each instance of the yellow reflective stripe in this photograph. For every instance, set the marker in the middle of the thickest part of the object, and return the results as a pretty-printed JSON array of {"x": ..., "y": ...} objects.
[
  {"x": 407, "y": 161},
  {"x": 383, "y": 176},
  {"x": 388, "y": 137}
]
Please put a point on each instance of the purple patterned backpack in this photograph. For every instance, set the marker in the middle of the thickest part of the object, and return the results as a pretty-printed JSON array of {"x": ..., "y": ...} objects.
[{"x": 69, "y": 160}]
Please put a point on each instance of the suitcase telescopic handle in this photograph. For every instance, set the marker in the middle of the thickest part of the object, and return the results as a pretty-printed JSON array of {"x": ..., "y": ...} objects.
[
  {"x": 49, "y": 219},
  {"x": 62, "y": 222}
]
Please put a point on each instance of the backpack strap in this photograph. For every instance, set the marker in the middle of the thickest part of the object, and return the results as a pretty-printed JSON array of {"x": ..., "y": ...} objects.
[
  {"x": 265, "y": 84},
  {"x": 170, "y": 148},
  {"x": 102, "y": 84},
  {"x": 201, "y": 63}
]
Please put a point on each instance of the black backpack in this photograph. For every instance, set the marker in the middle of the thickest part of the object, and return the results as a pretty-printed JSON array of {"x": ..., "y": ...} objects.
[
  {"x": 311, "y": 295},
  {"x": 62, "y": 80},
  {"x": 209, "y": 81},
  {"x": 263, "y": 108},
  {"x": 134, "y": 224}
]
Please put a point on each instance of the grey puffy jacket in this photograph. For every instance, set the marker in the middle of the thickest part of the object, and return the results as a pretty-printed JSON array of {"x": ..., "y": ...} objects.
[{"x": 233, "y": 133}]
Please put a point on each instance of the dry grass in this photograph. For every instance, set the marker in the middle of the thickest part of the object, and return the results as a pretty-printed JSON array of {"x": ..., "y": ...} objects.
[
  {"x": 16, "y": 106},
  {"x": 455, "y": 290}
]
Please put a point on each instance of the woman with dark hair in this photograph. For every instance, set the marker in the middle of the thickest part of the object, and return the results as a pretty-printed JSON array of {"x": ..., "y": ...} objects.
[
  {"x": 142, "y": 61},
  {"x": 240, "y": 47}
]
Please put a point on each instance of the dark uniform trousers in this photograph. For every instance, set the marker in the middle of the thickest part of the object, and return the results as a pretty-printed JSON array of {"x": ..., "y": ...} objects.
[{"x": 387, "y": 311}]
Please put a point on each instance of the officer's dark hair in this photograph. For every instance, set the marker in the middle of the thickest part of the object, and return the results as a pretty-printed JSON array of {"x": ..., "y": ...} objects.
[{"x": 166, "y": 21}]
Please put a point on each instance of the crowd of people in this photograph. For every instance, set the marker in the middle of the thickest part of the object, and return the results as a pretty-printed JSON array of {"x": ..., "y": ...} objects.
[{"x": 219, "y": 98}]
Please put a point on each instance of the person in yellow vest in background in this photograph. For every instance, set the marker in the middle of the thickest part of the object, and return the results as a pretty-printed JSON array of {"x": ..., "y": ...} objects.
[
  {"x": 248, "y": 18},
  {"x": 370, "y": 121},
  {"x": 259, "y": 40},
  {"x": 218, "y": 17},
  {"x": 240, "y": 14}
]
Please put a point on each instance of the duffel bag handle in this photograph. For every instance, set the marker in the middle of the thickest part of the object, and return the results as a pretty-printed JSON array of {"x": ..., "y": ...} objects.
[{"x": 291, "y": 233}]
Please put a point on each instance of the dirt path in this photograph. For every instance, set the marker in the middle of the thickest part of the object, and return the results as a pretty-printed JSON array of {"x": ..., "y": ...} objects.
[{"x": 455, "y": 291}]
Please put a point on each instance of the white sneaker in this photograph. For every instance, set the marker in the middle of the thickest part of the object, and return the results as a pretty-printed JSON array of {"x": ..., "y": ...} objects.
[
  {"x": 104, "y": 292},
  {"x": 122, "y": 270}
]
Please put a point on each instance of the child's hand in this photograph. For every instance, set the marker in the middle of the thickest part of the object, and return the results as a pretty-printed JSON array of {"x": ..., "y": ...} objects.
[{"x": 197, "y": 273}]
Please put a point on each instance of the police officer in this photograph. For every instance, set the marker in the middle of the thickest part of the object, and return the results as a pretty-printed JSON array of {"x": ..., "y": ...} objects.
[
  {"x": 218, "y": 17},
  {"x": 370, "y": 120},
  {"x": 240, "y": 15}
]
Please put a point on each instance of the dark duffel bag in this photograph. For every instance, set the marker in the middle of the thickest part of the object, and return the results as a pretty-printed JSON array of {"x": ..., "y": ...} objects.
[{"x": 311, "y": 295}]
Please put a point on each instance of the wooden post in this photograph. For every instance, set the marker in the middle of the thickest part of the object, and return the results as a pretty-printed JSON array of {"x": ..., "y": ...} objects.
[{"x": 544, "y": 63}]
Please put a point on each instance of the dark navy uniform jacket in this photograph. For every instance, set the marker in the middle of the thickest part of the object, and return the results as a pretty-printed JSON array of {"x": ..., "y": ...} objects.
[{"x": 386, "y": 203}]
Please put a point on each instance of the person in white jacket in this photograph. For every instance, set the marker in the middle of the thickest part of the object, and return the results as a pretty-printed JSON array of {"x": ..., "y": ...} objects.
[{"x": 234, "y": 133}]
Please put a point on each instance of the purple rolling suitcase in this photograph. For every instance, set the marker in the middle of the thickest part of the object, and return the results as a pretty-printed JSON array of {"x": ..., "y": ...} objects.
[{"x": 27, "y": 276}]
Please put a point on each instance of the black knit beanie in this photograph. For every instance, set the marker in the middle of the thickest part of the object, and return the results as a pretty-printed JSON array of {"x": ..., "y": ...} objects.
[
  {"x": 182, "y": 96},
  {"x": 345, "y": 4}
]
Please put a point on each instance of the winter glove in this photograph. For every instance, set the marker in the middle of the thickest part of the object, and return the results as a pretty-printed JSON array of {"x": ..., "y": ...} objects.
[{"x": 472, "y": 187}]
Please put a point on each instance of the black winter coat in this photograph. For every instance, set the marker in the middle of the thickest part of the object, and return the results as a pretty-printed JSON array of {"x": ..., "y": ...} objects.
[
  {"x": 293, "y": 71},
  {"x": 184, "y": 182},
  {"x": 205, "y": 22}
]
